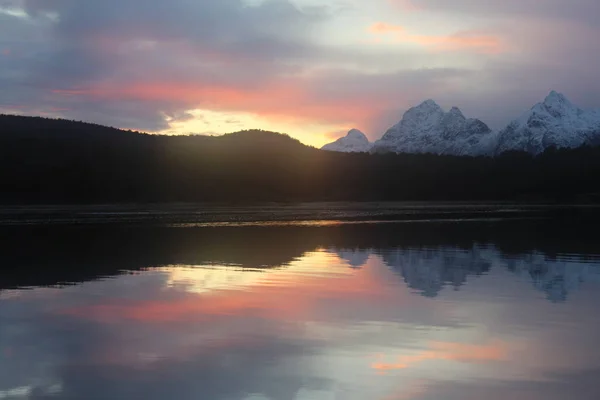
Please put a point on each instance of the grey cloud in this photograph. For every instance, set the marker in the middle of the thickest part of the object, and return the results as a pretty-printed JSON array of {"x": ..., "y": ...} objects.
[
  {"x": 582, "y": 385},
  {"x": 222, "y": 24},
  {"x": 579, "y": 10},
  {"x": 504, "y": 91},
  {"x": 221, "y": 43},
  {"x": 388, "y": 94}
]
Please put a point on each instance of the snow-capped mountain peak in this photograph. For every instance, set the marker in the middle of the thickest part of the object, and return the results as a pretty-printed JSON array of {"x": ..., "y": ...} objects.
[
  {"x": 425, "y": 114},
  {"x": 427, "y": 128},
  {"x": 354, "y": 142},
  {"x": 556, "y": 99},
  {"x": 557, "y": 105},
  {"x": 554, "y": 122},
  {"x": 429, "y": 104},
  {"x": 356, "y": 134},
  {"x": 456, "y": 111}
]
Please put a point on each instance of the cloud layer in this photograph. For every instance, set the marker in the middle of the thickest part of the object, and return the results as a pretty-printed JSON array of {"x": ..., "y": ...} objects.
[{"x": 311, "y": 69}]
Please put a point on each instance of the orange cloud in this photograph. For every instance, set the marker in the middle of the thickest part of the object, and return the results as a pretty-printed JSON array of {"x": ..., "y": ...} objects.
[
  {"x": 298, "y": 98},
  {"x": 495, "y": 351},
  {"x": 460, "y": 41},
  {"x": 280, "y": 101},
  {"x": 466, "y": 40},
  {"x": 383, "y": 28}
]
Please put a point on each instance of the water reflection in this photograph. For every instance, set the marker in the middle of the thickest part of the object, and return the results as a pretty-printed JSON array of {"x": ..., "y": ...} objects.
[
  {"x": 410, "y": 311},
  {"x": 429, "y": 270}
]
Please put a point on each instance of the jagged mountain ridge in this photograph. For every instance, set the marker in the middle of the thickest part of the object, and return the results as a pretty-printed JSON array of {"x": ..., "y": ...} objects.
[
  {"x": 427, "y": 128},
  {"x": 354, "y": 142},
  {"x": 554, "y": 122}
]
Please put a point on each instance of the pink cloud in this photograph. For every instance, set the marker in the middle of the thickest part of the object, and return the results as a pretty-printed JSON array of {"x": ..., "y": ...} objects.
[
  {"x": 227, "y": 82},
  {"x": 384, "y": 28},
  {"x": 466, "y": 40},
  {"x": 280, "y": 100},
  {"x": 481, "y": 43},
  {"x": 346, "y": 99},
  {"x": 486, "y": 44}
]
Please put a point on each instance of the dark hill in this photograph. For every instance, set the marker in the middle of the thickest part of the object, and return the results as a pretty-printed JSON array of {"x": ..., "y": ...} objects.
[{"x": 58, "y": 161}]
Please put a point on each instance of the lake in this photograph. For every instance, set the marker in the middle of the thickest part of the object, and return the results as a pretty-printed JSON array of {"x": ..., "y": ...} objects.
[{"x": 397, "y": 310}]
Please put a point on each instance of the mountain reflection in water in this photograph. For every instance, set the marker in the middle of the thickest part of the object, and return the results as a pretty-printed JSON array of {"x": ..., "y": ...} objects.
[{"x": 452, "y": 310}]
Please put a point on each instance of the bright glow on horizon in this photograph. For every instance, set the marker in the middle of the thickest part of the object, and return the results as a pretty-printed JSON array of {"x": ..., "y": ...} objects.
[{"x": 219, "y": 123}]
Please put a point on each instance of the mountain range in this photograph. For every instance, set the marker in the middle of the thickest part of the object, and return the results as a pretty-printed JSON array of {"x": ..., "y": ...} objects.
[
  {"x": 48, "y": 161},
  {"x": 427, "y": 128}
]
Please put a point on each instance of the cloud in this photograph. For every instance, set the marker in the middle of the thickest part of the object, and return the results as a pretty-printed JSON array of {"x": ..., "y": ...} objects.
[
  {"x": 466, "y": 40},
  {"x": 111, "y": 64},
  {"x": 576, "y": 383},
  {"x": 383, "y": 28},
  {"x": 460, "y": 41},
  {"x": 578, "y": 10},
  {"x": 133, "y": 41},
  {"x": 330, "y": 95}
]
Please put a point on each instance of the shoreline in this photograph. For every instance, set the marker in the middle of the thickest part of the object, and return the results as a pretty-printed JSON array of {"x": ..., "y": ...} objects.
[{"x": 286, "y": 213}]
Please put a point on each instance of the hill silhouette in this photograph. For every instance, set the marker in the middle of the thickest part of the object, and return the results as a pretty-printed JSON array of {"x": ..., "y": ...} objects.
[{"x": 58, "y": 161}]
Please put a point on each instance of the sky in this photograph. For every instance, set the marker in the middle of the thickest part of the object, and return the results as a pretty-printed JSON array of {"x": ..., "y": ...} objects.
[{"x": 309, "y": 68}]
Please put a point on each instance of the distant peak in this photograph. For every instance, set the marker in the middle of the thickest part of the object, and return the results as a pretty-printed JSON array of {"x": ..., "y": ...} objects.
[
  {"x": 356, "y": 134},
  {"x": 428, "y": 107},
  {"x": 554, "y": 93},
  {"x": 555, "y": 98},
  {"x": 428, "y": 104},
  {"x": 354, "y": 141},
  {"x": 456, "y": 111}
]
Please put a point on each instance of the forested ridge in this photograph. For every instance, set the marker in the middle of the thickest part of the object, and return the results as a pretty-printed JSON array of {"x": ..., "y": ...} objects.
[{"x": 59, "y": 161}]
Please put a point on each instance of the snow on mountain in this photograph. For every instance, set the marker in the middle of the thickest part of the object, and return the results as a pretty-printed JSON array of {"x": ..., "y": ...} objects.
[
  {"x": 428, "y": 129},
  {"x": 554, "y": 122},
  {"x": 354, "y": 142}
]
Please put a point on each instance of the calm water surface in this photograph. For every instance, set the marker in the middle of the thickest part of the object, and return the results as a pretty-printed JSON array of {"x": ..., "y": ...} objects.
[{"x": 403, "y": 311}]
